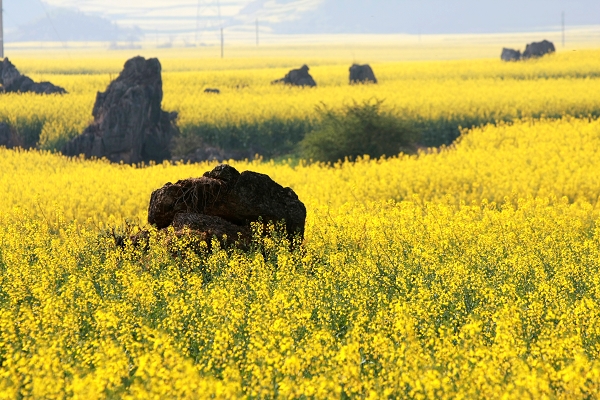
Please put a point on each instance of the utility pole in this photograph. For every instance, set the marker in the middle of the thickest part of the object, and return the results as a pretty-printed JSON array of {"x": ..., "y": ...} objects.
[
  {"x": 222, "y": 44},
  {"x": 563, "y": 28},
  {"x": 256, "y": 32},
  {"x": 1, "y": 33},
  {"x": 208, "y": 19}
]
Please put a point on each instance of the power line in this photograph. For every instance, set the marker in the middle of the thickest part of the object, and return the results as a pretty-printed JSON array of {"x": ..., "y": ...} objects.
[
  {"x": 54, "y": 28},
  {"x": 208, "y": 9},
  {"x": 198, "y": 19},
  {"x": 1, "y": 32}
]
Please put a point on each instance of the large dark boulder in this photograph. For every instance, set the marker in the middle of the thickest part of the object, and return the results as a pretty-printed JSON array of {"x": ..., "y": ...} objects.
[
  {"x": 13, "y": 82},
  {"x": 538, "y": 49},
  {"x": 298, "y": 77},
  {"x": 129, "y": 125},
  {"x": 225, "y": 202},
  {"x": 510, "y": 55},
  {"x": 362, "y": 74}
]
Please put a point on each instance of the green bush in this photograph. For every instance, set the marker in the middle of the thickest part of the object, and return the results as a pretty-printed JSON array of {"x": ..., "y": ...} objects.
[
  {"x": 26, "y": 129},
  {"x": 269, "y": 138},
  {"x": 358, "y": 129}
]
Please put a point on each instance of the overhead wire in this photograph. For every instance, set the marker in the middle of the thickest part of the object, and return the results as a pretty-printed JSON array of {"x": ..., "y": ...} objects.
[{"x": 66, "y": 47}]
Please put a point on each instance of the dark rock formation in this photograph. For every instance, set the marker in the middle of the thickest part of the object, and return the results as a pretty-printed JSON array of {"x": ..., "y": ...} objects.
[
  {"x": 510, "y": 55},
  {"x": 298, "y": 77},
  {"x": 129, "y": 125},
  {"x": 13, "y": 82},
  {"x": 225, "y": 202},
  {"x": 538, "y": 49},
  {"x": 205, "y": 227},
  {"x": 211, "y": 90},
  {"x": 362, "y": 74}
]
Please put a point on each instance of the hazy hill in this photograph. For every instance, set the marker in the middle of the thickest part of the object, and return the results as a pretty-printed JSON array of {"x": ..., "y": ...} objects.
[
  {"x": 441, "y": 16},
  {"x": 29, "y": 20},
  {"x": 105, "y": 19}
]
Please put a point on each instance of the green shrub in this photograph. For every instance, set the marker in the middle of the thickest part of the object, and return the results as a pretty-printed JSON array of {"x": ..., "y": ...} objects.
[
  {"x": 270, "y": 138},
  {"x": 358, "y": 129},
  {"x": 28, "y": 130}
]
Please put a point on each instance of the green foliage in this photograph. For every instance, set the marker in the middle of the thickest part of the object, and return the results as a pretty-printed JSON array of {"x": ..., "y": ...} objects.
[
  {"x": 269, "y": 138},
  {"x": 27, "y": 130},
  {"x": 358, "y": 129}
]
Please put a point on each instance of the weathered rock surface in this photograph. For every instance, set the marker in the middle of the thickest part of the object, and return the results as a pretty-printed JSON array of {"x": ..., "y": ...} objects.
[
  {"x": 225, "y": 202},
  {"x": 129, "y": 125},
  {"x": 538, "y": 49},
  {"x": 510, "y": 55},
  {"x": 362, "y": 74},
  {"x": 13, "y": 82},
  {"x": 206, "y": 227},
  {"x": 298, "y": 77}
]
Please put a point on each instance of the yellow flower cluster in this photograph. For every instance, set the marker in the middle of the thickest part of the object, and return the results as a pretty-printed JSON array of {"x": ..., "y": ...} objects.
[
  {"x": 540, "y": 159},
  {"x": 468, "y": 272}
]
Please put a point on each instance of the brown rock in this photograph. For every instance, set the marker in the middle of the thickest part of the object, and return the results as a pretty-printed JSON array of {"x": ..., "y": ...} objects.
[
  {"x": 185, "y": 196},
  {"x": 13, "y": 82},
  {"x": 510, "y": 55},
  {"x": 538, "y": 49},
  {"x": 362, "y": 74},
  {"x": 298, "y": 77},
  {"x": 207, "y": 227},
  {"x": 129, "y": 125},
  {"x": 225, "y": 202}
]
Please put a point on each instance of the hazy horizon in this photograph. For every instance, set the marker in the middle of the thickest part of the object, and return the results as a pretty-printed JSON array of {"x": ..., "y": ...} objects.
[{"x": 190, "y": 20}]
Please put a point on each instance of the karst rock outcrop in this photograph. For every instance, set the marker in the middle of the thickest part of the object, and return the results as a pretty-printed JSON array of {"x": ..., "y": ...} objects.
[
  {"x": 224, "y": 202},
  {"x": 362, "y": 74},
  {"x": 129, "y": 125},
  {"x": 298, "y": 77},
  {"x": 533, "y": 50},
  {"x": 510, "y": 55},
  {"x": 538, "y": 49},
  {"x": 13, "y": 81}
]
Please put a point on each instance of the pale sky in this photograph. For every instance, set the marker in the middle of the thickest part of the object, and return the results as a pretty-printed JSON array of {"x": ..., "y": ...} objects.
[
  {"x": 180, "y": 17},
  {"x": 178, "y": 14}
]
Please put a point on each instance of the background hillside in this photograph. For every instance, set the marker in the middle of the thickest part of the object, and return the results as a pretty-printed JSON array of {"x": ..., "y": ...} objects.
[{"x": 441, "y": 17}]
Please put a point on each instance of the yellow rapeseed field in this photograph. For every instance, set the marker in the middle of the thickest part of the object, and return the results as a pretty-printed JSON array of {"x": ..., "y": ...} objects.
[
  {"x": 468, "y": 271},
  {"x": 439, "y": 95},
  {"x": 472, "y": 271}
]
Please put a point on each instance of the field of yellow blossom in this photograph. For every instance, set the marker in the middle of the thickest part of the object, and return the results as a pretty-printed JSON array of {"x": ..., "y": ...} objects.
[
  {"x": 470, "y": 270},
  {"x": 436, "y": 97}
]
